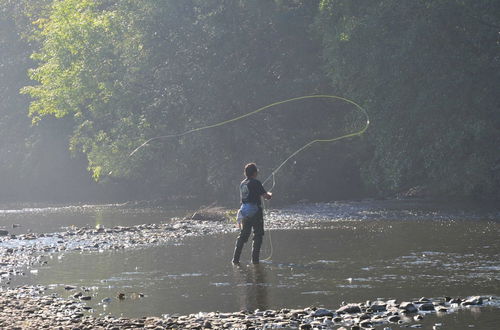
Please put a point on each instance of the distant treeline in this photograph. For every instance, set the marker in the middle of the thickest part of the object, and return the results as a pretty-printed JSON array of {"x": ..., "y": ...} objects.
[{"x": 84, "y": 82}]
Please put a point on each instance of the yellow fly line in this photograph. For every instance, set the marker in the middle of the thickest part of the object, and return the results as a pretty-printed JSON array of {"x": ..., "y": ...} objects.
[
  {"x": 295, "y": 153},
  {"x": 305, "y": 146}
]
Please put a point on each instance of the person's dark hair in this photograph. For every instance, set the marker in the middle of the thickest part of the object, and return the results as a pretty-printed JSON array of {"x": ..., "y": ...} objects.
[{"x": 250, "y": 169}]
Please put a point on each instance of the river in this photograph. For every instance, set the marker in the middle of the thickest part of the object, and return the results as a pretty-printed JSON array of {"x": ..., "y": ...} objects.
[{"x": 322, "y": 255}]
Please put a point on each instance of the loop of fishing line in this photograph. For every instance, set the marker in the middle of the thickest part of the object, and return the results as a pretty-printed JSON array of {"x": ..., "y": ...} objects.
[{"x": 295, "y": 153}]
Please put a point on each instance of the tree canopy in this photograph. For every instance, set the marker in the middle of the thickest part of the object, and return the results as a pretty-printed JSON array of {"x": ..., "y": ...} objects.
[{"x": 107, "y": 75}]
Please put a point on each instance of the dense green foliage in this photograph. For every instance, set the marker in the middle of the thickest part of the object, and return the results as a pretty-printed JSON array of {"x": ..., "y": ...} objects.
[
  {"x": 429, "y": 72},
  {"x": 117, "y": 72}
]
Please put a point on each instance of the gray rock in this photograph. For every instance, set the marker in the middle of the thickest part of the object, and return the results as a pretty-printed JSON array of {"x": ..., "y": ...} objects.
[
  {"x": 3, "y": 232},
  {"x": 427, "y": 307},
  {"x": 408, "y": 306},
  {"x": 476, "y": 300},
  {"x": 441, "y": 309},
  {"x": 393, "y": 318},
  {"x": 365, "y": 324},
  {"x": 364, "y": 317},
  {"x": 378, "y": 306},
  {"x": 349, "y": 309},
  {"x": 321, "y": 312}
]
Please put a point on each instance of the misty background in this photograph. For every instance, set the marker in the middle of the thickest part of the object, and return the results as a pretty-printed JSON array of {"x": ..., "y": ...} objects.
[{"x": 83, "y": 83}]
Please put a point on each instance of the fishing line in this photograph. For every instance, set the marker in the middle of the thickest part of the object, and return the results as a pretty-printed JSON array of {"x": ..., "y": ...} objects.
[
  {"x": 307, "y": 145},
  {"x": 295, "y": 153}
]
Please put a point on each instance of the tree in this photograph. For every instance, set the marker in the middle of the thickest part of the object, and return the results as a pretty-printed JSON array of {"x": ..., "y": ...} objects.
[{"x": 427, "y": 71}]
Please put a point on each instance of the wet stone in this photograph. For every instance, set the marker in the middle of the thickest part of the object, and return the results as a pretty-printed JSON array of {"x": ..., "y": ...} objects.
[
  {"x": 350, "y": 309},
  {"x": 426, "y": 307},
  {"x": 408, "y": 307}
]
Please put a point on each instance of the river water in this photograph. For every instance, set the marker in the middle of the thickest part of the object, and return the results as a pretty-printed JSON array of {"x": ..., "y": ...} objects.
[{"x": 333, "y": 253}]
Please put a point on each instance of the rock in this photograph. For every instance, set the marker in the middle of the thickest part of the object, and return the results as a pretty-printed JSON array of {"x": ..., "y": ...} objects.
[
  {"x": 85, "y": 298},
  {"x": 378, "y": 306},
  {"x": 305, "y": 326},
  {"x": 3, "y": 232},
  {"x": 365, "y": 324},
  {"x": 393, "y": 318},
  {"x": 454, "y": 301},
  {"x": 476, "y": 300},
  {"x": 207, "y": 325},
  {"x": 418, "y": 317},
  {"x": 427, "y": 307},
  {"x": 349, "y": 309},
  {"x": 408, "y": 306},
  {"x": 70, "y": 287},
  {"x": 364, "y": 317},
  {"x": 321, "y": 312},
  {"x": 441, "y": 309}
]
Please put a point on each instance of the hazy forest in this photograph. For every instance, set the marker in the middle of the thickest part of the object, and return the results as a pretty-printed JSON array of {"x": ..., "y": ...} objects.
[{"x": 85, "y": 82}]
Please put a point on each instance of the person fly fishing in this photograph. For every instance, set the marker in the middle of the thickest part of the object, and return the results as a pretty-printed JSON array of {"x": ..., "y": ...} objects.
[{"x": 250, "y": 213}]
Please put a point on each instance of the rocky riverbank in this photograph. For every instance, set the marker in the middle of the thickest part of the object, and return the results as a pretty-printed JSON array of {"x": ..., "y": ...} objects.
[{"x": 33, "y": 308}]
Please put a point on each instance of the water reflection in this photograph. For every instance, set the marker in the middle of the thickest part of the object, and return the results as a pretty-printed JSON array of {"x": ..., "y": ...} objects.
[{"x": 251, "y": 287}]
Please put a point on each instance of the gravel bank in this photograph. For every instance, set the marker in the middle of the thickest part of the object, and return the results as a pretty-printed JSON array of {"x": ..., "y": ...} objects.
[{"x": 31, "y": 308}]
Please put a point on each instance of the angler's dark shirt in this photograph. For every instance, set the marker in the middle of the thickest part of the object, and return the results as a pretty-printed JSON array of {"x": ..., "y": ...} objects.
[{"x": 251, "y": 190}]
